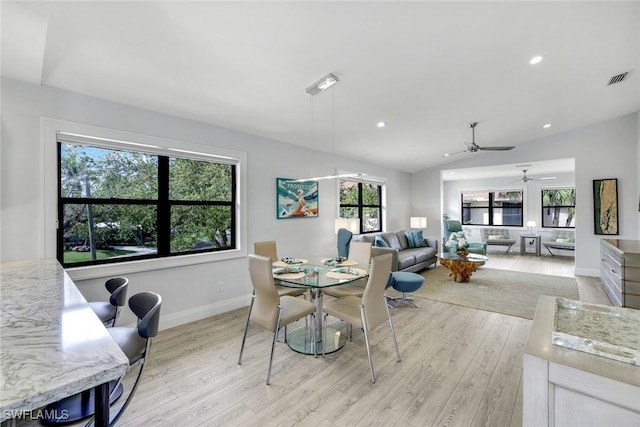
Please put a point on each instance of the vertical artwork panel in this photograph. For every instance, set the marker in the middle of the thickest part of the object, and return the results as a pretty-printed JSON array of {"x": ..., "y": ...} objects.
[{"x": 605, "y": 201}]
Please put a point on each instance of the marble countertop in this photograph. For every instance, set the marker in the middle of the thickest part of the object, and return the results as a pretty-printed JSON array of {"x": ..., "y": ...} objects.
[
  {"x": 605, "y": 331},
  {"x": 623, "y": 245},
  {"x": 52, "y": 344},
  {"x": 540, "y": 344}
]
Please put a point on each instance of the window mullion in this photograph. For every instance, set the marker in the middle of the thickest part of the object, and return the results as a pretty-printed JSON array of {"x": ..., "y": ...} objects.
[{"x": 164, "y": 207}]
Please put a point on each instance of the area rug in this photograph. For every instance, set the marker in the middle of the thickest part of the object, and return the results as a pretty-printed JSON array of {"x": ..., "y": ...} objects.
[{"x": 500, "y": 291}]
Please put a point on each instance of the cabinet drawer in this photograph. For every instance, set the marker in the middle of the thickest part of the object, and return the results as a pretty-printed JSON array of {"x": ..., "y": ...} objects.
[
  {"x": 610, "y": 253},
  {"x": 612, "y": 280},
  {"x": 614, "y": 266},
  {"x": 632, "y": 260},
  {"x": 614, "y": 295},
  {"x": 632, "y": 301},
  {"x": 632, "y": 288},
  {"x": 632, "y": 274}
]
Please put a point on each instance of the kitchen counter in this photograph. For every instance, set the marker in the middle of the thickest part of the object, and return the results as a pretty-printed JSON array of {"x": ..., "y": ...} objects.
[
  {"x": 53, "y": 344},
  {"x": 563, "y": 386}
]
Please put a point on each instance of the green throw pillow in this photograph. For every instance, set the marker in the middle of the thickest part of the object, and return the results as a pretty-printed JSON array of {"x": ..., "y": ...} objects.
[{"x": 415, "y": 239}]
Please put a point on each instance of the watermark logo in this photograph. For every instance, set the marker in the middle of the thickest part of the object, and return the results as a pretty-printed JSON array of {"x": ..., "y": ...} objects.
[{"x": 36, "y": 414}]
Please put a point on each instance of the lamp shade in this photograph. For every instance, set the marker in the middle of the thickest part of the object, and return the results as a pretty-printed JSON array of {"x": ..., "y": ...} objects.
[
  {"x": 531, "y": 223},
  {"x": 418, "y": 222},
  {"x": 351, "y": 224}
]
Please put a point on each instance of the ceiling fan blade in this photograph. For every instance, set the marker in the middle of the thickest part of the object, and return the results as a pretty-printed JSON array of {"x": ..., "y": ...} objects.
[
  {"x": 546, "y": 177},
  {"x": 505, "y": 148},
  {"x": 451, "y": 154}
]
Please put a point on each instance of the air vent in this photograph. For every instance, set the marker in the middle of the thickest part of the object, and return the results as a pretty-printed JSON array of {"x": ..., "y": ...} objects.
[{"x": 617, "y": 79}]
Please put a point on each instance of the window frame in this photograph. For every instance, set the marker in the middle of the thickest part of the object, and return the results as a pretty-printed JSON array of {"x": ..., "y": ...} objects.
[
  {"x": 360, "y": 206},
  {"x": 489, "y": 207},
  {"x": 111, "y": 138},
  {"x": 543, "y": 207},
  {"x": 163, "y": 204}
]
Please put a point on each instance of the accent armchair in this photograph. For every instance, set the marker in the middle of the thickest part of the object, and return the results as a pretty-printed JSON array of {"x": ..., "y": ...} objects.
[{"x": 453, "y": 226}]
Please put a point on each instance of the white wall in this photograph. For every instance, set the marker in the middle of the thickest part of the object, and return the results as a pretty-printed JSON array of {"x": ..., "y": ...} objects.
[
  {"x": 604, "y": 150},
  {"x": 532, "y": 203},
  {"x": 188, "y": 292}
]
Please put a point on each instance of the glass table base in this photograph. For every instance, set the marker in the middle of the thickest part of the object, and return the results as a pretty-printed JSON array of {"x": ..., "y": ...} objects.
[{"x": 300, "y": 341}]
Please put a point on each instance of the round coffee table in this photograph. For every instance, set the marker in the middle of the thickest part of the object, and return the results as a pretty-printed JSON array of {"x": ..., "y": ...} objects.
[{"x": 461, "y": 268}]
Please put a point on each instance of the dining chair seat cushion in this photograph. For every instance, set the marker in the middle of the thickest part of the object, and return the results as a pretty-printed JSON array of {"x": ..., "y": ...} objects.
[
  {"x": 104, "y": 310},
  {"x": 292, "y": 310},
  {"x": 344, "y": 291},
  {"x": 293, "y": 292},
  {"x": 129, "y": 341},
  {"x": 346, "y": 309},
  {"x": 406, "y": 282}
]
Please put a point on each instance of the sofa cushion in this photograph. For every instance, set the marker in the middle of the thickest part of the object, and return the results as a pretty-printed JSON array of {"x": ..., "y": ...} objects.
[
  {"x": 392, "y": 240},
  {"x": 402, "y": 238},
  {"x": 405, "y": 259},
  {"x": 419, "y": 254},
  {"x": 365, "y": 237},
  {"x": 415, "y": 239}
]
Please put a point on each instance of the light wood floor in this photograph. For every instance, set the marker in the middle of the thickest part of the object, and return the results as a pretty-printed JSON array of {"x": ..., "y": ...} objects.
[{"x": 460, "y": 367}]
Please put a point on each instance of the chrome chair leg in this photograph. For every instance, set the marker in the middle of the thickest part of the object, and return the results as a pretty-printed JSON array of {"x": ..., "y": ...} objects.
[
  {"x": 273, "y": 344},
  {"x": 246, "y": 328},
  {"x": 393, "y": 334},
  {"x": 366, "y": 341}
]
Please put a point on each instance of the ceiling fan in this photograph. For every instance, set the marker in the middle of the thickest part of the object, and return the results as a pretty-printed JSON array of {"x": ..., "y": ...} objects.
[
  {"x": 474, "y": 148},
  {"x": 525, "y": 178}
]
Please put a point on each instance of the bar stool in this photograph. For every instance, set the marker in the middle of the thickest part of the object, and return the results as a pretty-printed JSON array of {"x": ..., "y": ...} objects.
[
  {"x": 108, "y": 312},
  {"x": 134, "y": 343}
]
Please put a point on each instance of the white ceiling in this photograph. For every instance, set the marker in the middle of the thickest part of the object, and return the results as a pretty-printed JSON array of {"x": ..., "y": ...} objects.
[
  {"x": 426, "y": 68},
  {"x": 513, "y": 172}
]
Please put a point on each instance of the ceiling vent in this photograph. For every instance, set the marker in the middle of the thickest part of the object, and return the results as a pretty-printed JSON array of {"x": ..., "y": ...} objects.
[{"x": 617, "y": 79}]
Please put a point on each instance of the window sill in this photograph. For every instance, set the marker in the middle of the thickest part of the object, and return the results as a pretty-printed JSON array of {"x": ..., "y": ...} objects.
[{"x": 106, "y": 270}]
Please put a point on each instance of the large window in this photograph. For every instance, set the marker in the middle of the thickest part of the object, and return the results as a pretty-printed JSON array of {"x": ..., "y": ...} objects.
[
  {"x": 116, "y": 205},
  {"x": 492, "y": 208},
  {"x": 363, "y": 201},
  {"x": 559, "y": 208}
]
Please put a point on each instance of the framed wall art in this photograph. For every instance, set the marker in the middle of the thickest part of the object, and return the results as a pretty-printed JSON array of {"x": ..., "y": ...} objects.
[
  {"x": 296, "y": 199},
  {"x": 605, "y": 206}
]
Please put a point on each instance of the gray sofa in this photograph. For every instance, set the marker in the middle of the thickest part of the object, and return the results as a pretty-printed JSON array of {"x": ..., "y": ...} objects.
[{"x": 404, "y": 257}]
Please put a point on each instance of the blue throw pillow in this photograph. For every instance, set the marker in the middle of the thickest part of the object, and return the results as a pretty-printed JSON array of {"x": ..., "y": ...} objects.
[
  {"x": 415, "y": 239},
  {"x": 379, "y": 242}
]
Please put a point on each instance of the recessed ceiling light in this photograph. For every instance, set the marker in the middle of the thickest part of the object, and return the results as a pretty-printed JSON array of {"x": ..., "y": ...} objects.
[
  {"x": 535, "y": 60},
  {"x": 381, "y": 124},
  {"x": 548, "y": 125}
]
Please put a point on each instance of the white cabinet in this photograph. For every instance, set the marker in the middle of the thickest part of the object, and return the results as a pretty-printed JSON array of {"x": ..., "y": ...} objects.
[
  {"x": 564, "y": 387},
  {"x": 620, "y": 271}
]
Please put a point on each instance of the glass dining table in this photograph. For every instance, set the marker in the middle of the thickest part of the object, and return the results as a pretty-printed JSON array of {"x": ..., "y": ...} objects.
[{"x": 317, "y": 274}]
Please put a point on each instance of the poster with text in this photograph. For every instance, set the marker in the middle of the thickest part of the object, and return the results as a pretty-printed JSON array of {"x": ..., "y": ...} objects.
[{"x": 296, "y": 199}]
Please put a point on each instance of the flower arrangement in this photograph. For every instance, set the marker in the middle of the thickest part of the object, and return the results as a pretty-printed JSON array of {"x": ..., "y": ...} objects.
[{"x": 458, "y": 240}]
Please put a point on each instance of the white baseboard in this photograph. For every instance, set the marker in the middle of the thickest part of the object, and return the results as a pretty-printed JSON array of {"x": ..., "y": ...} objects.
[
  {"x": 201, "y": 312},
  {"x": 593, "y": 272}
]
